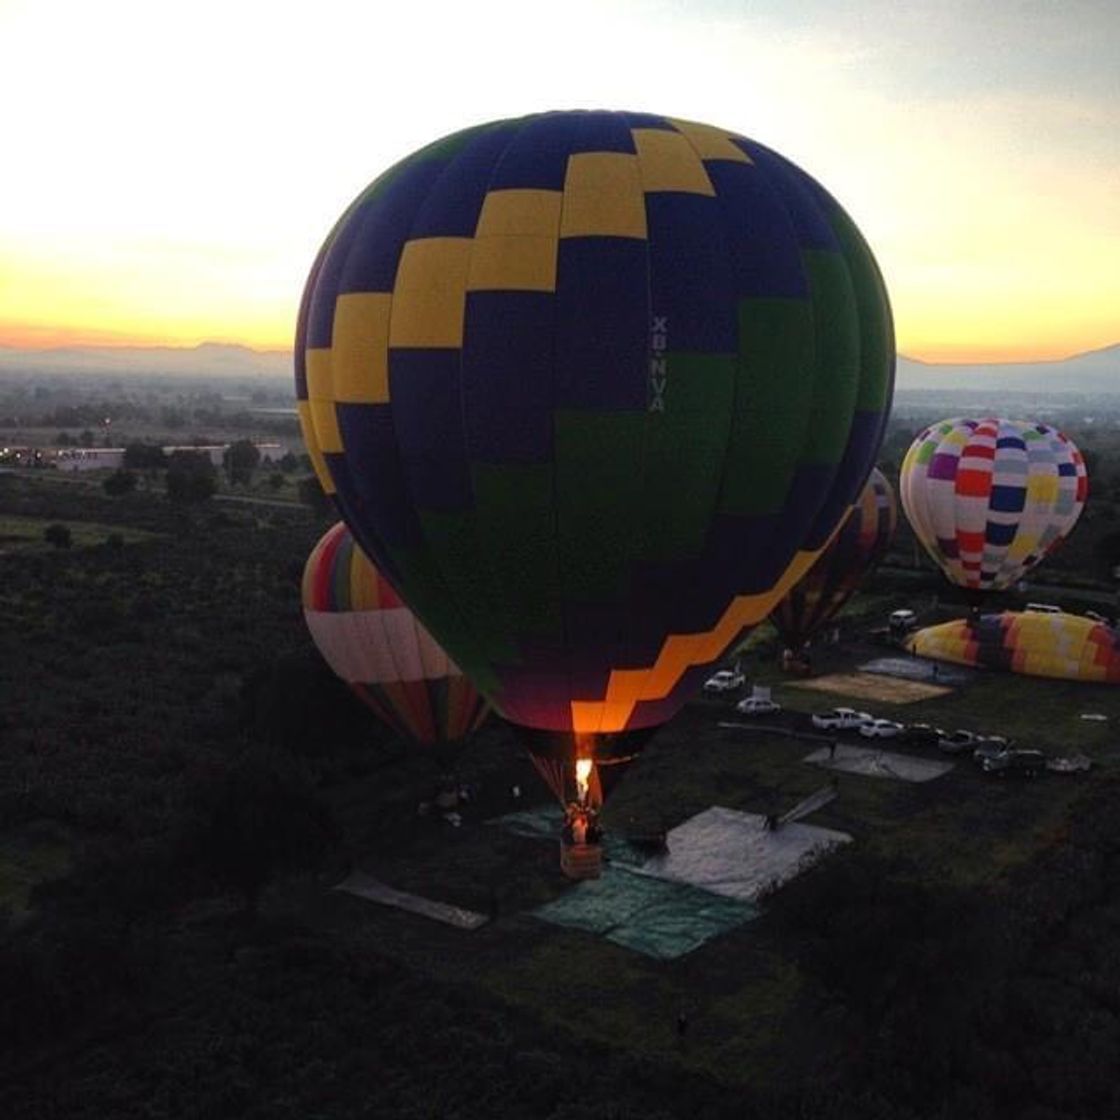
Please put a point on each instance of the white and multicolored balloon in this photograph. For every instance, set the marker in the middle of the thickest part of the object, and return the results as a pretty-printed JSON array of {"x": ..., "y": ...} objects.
[{"x": 989, "y": 499}]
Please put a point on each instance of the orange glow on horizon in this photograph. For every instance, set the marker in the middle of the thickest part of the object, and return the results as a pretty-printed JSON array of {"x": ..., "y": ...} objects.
[
  {"x": 994, "y": 354},
  {"x": 34, "y": 336}
]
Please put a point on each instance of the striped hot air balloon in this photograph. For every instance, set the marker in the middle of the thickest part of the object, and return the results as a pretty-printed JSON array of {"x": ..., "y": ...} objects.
[
  {"x": 376, "y": 645},
  {"x": 990, "y": 499},
  {"x": 855, "y": 550}
]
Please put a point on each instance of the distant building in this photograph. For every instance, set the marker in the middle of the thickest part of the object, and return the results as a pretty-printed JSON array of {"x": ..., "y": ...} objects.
[
  {"x": 112, "y": 458},
  {"x": 212, "y": 450},
  {"x": 21, "y": 457},
  {"x": 89, "y": 458}
]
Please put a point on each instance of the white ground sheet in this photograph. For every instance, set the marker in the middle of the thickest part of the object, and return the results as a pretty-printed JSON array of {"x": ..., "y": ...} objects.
[
  {"x": 873, "y": 762},
  {"x": 733, "y": 854},
  {"x": 366, "y": 886}
]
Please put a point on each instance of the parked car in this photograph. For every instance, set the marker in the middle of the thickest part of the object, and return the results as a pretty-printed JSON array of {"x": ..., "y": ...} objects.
[
  {"x": 726, "y": 680},
  {"x": 758, "y": 706},
  {"x": 841, "y": 719},
  {"x": 959, "y": 740},
  {"x": 881, "y": 729},
  {"x": 923, "y": 733},
  {"x": 1069, "y": 764},
  {"x": 988, "y": 746},
  {"x": 902, "y": 622},
  {"x": 1030, "y": 763}
]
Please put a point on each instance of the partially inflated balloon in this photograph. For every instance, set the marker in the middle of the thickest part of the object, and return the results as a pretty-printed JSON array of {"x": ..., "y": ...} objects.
[
  {"x": 841, "y": 568},
  {"x": 1039, "y": 644},
  {"x": 378, "y": 647},
  {"x": 989, "y": 499},
  {"x": 593, "y": 389}
]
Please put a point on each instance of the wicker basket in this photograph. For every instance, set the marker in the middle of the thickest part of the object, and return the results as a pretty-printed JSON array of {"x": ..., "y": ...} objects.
[{"x": 581, "y": 861}]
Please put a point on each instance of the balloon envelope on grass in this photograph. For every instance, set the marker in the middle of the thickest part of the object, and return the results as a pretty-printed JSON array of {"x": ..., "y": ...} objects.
[{"x": 1037, "y": 643}]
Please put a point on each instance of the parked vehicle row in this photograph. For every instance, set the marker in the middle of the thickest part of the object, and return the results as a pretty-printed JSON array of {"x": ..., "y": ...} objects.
[{"x": 993, "y": 754}]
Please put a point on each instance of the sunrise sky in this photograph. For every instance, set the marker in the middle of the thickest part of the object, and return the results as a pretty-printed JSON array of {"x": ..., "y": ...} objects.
[{"x": 170, "y": 168}]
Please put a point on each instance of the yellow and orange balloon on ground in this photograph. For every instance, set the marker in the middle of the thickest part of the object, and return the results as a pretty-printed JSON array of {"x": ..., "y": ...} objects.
[{"x": 1037, "y": 643}]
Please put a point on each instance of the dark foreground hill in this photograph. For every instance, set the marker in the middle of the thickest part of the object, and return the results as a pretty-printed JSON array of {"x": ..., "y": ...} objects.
[{"x": 181, "y": 782}]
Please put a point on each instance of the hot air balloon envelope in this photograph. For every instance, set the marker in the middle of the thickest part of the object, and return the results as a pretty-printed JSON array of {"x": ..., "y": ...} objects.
[
  {"x": 1038, "y": 643},
  {"x": 989, "y": 499},
  {"x": 852, "y": 553},
  {"x": 592, "y": 389},
  {"x": 378, "y": 646}
]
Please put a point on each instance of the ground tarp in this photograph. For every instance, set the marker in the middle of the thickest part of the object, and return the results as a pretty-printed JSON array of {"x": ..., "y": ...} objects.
[
  {"x": 718, "y": 864},
  {"x": 918, "y": 669},
  {"x": 545, "y": 822},
  {"x": 735, "y": 855},
  {"x": 366, "y": 886},
  {"x": 875, "y": 763},
  {"x": 644, "y": 913}
]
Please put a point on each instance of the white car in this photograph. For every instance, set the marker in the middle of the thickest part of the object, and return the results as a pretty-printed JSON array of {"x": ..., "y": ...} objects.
[
  {"x": 841, "y": 719},
  {"x": 726, "y": 680},
  {"x": 757, "y": 706},
  {"x": 881, "y": 729}
]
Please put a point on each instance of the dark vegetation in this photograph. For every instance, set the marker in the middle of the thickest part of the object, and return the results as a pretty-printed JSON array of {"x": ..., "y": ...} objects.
[{"x": 167, "y": 727}]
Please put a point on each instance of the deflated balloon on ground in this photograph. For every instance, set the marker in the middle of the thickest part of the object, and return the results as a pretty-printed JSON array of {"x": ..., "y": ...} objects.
[{"x": 1041, "y": 644}]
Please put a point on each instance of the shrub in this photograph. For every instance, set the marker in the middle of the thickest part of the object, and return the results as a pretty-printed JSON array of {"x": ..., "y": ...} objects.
[
  {"x": 119, "y": 482},
  {"x": 58, "y": 534},
  {"x": 258, "y": 817}
]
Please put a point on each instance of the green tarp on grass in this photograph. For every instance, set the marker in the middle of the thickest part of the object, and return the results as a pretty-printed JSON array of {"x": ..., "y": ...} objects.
[
  {"x": 649, "y": 915},
  {"x": 637, "y": 910},
  {"x": 545, "y": 822}
]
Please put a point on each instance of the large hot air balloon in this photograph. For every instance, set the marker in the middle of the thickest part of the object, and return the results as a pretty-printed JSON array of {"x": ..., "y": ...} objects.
[
  {"x": 593, "y": 389},
  {"x": 376, "y": 645},
  {"x": 989, "y": 499},
  {"x": 1041, "y": 644},
  {"x": 841, "y": 567}
]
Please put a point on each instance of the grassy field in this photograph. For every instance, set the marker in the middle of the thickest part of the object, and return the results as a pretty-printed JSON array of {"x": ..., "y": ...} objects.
[
  {"x": 132, "y": 674},
  {"x": 30, "y": 856},
  {"x": 25, "y": 534},
  {"x": 742, "y": 991}
]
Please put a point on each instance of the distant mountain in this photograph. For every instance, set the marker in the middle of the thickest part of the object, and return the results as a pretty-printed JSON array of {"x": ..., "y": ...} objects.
[
  {"x": 1094, "y": 372},
  {"x": 209, "y": 359}
]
